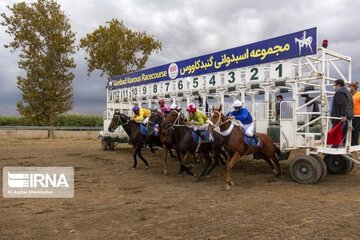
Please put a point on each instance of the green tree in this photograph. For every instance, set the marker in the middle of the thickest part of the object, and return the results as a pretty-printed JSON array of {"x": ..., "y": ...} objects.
[
  {"x": 116, "y": 49},
  {"x": 42, "y": 33}
]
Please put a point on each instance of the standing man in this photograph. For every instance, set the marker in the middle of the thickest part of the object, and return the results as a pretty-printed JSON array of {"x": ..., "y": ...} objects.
[
  {"x": 342, "y": 106},
  {"x": 279, "y": 99},
  {"x": 314, "y": 104},
  {"x": 356, "y": 121}
]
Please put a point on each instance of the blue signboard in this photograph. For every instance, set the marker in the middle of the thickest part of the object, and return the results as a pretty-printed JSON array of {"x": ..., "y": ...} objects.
[{"x": 288, "y": 46}]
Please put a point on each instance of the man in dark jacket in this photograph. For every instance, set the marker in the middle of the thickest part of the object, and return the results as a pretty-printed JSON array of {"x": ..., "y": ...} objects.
[
  {"x": 342, "y": 105},
  {"x": 314, "y": 104}
]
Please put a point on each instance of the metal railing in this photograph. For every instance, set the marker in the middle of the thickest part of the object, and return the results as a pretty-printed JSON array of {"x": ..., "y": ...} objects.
[{"x": 51, "y": 129}]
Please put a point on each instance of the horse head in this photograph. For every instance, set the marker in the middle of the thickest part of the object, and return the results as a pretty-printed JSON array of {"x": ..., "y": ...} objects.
[
  {"x": 117, "y": 120},
  {"x": 156, "y": 117},
  {"x": 174, "y": 117},
  {"x": 216, "y": 117}
]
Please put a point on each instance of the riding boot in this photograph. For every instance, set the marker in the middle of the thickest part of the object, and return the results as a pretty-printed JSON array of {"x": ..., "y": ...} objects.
[
  {"x": 198, "y": 132},
  {"x": 255, "y": 136},
  {"x": 198, "y": 146}
]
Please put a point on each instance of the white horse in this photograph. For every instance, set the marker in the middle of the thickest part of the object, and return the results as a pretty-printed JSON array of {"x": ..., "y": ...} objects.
[{"x": 304, "y": 41}]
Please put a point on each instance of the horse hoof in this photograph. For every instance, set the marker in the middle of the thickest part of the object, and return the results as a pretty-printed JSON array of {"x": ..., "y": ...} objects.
[
  {"x": 276, "y": 173},
  {"x": 147, "y": 166},
  {"x": 227, "y": 187},
  {"x": 194, "y": 174},
  {"x": 199, "y": 179},
  {"x": 232, "y": 183},
  {"x": 165, "y": 173}
]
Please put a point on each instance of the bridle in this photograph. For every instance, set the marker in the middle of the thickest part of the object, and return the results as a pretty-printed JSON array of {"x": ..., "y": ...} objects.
[
  {"x": 119, "y": 121},
  {"x": 177, "y": 120},
  {"x": 219, "y": 122},
  {"x": 157, "y": 121}
]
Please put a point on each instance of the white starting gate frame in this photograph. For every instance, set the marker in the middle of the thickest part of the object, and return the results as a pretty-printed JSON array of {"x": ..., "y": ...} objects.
[{"x": 256, "y": 86}]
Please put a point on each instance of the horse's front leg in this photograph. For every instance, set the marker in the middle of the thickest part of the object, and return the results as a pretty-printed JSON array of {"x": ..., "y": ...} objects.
[
  {"x": 171, "y": 153},
  {"x": 136, "y": 149},
  {"x": 141, "y": 157},
  {"x": 165, "y": 148},
  {"x": 207, "y": 165},
  {"x": 183, "y": 164},
  {"x": 229, "y": 165}
]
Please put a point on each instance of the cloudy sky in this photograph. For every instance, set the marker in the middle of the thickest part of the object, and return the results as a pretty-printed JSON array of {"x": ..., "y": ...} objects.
[{"x": 188, "y": 29}]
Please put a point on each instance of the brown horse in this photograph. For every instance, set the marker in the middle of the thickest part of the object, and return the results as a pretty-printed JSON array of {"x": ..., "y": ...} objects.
[
  {"x": 234, "y": 144},
  {"x": 186, "y": 146},
  {"x": 132, "y": 129},
  {"x": 167, "y": 136}
]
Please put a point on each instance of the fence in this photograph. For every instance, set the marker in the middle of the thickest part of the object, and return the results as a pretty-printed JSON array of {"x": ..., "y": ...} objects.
[{"x": 50, "y": 129}]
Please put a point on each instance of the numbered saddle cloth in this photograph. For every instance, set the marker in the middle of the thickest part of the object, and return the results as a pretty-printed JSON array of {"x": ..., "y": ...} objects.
[
  {"x": 251, "y": 141},
  {"x": 144, "y": 130},
  {"x": 207, "y": 137}
]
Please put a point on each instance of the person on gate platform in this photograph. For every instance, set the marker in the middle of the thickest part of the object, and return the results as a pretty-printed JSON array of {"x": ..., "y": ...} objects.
[
  {"x": 242, "y": 114},
  {"x": 342, "y": 106},
  {"x": 140, "y": 114},
  {"x": 314, "y": 104},
  {"x": 356, "y": 121}
]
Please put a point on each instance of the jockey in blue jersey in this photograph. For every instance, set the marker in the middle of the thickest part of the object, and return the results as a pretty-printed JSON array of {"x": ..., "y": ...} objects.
[{"x": 242, "y": 114}]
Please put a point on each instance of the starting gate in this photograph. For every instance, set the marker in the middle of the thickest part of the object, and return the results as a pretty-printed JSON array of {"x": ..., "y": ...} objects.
[{"x": 291, "y": 65}]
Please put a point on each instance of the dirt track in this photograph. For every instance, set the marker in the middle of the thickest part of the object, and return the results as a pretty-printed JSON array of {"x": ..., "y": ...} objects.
[{"x": 113, "y": 201}]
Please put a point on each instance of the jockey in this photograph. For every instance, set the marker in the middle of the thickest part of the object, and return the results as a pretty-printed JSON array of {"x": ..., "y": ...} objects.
[
  {"x": 173, "y": 107},
  {"x": 164, "y": 108},
  {"x": 242, "y": 114},
  {"x": 196, "y": 117},
  {"x": 197, "y": 120},
  {"x": 141, "y": 114}
]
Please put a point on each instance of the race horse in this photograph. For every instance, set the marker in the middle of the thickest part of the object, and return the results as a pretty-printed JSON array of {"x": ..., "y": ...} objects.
[
  {"x": 235, "y": 146},
  {"x": 167, "y": 136},
  {"x": 186, "y": 145},
  {"x": 138, "y": 140}
]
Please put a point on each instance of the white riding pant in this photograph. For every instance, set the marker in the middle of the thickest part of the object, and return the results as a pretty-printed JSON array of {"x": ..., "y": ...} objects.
[
  {"x": 145, "y": 120},
  {"x": 195, "y": 127},
  {"x": 249, "y": 129}
]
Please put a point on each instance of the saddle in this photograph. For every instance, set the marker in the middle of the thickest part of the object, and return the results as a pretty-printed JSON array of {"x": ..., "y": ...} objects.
[
  {"x": 206, "y": 136},
  {"x": 251, "y": 141},
  {"x": 144, "y": 131}
]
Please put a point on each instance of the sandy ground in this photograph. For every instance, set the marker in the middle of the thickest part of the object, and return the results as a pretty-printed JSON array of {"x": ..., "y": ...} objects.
[{"x": 113, "y": 201}]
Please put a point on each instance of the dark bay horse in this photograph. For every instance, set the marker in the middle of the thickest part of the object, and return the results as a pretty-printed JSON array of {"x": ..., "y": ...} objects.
[
  {"x": 186, "y": 146},
  {"x": 234, "y": 144},
  {"x": 132, "y": 129},
  {"x": 167, "y": 136}
]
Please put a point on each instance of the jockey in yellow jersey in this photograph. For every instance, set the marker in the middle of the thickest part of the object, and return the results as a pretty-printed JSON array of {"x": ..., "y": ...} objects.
[
  {"x": 140, "y": 115},
  {"x": 197, "y": 119}
]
